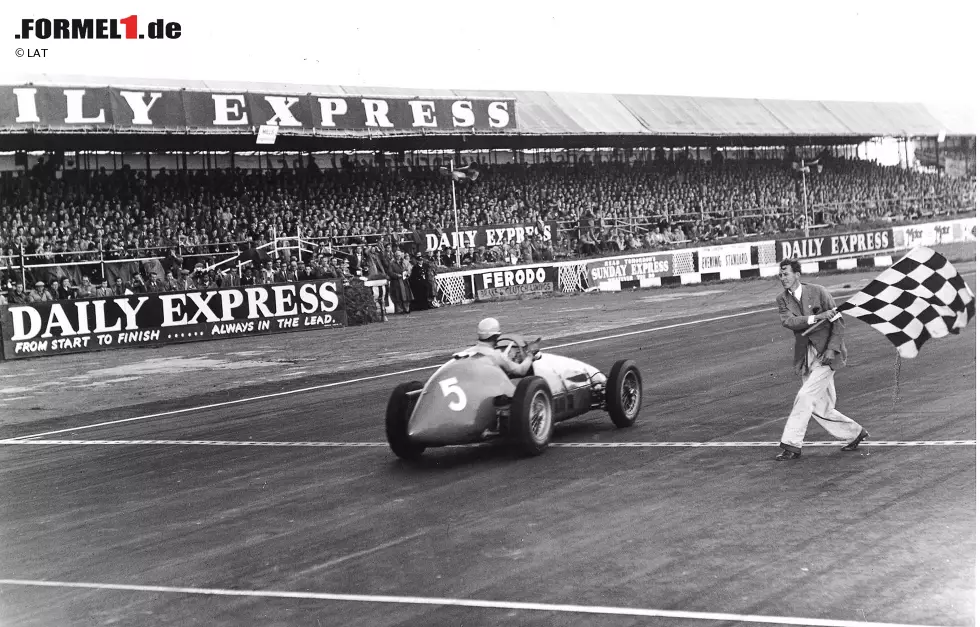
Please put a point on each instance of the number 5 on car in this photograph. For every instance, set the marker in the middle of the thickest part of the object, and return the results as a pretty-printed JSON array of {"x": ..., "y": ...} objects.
[{"x": 450, "y": 386}]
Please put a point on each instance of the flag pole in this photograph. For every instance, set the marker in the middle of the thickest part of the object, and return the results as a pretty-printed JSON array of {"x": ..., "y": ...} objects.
[
  {"x": 452, "y": 181},
  {"x": 818, "y": 323}
]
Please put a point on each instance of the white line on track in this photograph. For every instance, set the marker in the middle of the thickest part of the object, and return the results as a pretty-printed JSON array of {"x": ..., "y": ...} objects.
[
  {"x": 553, "y": 444},
  {"x": 475, "y": 603},
  {"x": 352, "y": 556},
  {"x": 373, "y": 377}
]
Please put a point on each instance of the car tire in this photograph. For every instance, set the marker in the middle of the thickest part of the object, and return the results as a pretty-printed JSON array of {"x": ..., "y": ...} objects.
[
  {"x": 624, "y": 393},
  {"x": 532, "y": 416},
  {"x": 400, "y": 407}
]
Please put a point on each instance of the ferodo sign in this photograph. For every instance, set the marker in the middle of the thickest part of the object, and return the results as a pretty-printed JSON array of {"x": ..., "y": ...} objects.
[
  {"x": 516, "y": 282},
  {"x": 58, "y": 327},
  {"x": 834, "y": 245}
]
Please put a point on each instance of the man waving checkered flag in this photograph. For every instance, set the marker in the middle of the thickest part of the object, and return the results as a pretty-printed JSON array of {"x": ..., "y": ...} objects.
[{"x": 920, "y": 297}]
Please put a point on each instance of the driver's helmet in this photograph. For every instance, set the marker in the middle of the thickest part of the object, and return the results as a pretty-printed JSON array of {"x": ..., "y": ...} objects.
[{"x": 487, "y": 329}]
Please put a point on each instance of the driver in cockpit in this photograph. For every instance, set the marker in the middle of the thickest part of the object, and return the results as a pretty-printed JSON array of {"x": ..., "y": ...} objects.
[{"x": 487, "y": 333}]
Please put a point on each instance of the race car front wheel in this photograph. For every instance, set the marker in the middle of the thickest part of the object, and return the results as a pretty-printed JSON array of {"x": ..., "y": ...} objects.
[
  {"x": 400, "y": 406},
  {"x": 624, "y": 393},
  {"x": 531, "y": 416}
]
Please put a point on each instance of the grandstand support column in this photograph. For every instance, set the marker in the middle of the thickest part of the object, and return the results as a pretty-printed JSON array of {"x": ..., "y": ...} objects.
[
  {"x": 806, "y": 210},
  {"x": 23, "y": 262},
  {"x": 452, "y": 181}
]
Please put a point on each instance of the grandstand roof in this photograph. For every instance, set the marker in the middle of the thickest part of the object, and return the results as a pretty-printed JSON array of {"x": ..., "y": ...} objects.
[{"x": 542, "y": 118}]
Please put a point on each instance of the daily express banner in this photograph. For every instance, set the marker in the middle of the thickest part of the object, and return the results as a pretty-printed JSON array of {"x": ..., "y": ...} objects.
[
  {"x": 25, "y": 106},
  {"x": 932, "y": 233},
  {"x": 76, "y": 326},
  {"x": 513, "y": 282},
  {"x": 727, "y": 257},
  {"x": 629, "y": 268},
  {"x": 830, "y": 245},
  {"x": 487, "y": 235}
]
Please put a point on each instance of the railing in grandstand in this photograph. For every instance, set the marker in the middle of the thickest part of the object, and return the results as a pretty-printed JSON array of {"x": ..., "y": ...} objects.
[{"x": 224, "y": 255}]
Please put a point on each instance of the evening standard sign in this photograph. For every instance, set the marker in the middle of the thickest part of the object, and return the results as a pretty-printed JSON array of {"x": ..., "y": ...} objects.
[
  {"x": 832, "y": 245},
  {"x": 76, "y": 326},
  {"x": 728, "y": 257},
  {"x": 514, "y": 282},
  {"x": 630, "y": 268}
]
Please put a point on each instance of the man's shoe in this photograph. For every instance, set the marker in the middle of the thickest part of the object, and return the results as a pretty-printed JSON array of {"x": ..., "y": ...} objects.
[
  {"x": 853, "y": 444},
  {"x": 788, "y": 455}
]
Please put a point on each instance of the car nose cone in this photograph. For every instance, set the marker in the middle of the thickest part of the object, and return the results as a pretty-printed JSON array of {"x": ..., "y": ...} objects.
[
  {"x": 433, "y": 428},
  {"x": 457, "y": 404}
]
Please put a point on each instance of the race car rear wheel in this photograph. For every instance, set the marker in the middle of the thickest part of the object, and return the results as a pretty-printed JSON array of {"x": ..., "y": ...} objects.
[
  {"x": 400, "y": 407},
  {"x": 624, "y": 393},
  {"x": 531, "y": 416}
]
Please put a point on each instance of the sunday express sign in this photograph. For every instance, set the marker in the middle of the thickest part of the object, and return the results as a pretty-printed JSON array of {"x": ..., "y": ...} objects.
[
  {"x": 76, "y": 326},
  {"x": 487, "y": 235},
  {"x": 629, "y": 268},
  {"x": 833, "y": 245},
  {"x": 515, "y": 282}
]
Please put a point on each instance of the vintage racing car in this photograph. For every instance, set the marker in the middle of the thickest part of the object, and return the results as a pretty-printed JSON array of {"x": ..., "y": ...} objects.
[{"x": 470, "y": 399}]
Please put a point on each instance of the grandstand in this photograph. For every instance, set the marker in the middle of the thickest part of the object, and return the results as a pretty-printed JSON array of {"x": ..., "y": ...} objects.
[{"x": 130, "y": 178}]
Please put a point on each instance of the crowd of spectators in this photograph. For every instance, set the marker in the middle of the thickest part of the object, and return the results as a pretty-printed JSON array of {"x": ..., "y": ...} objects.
[
  {"x": 411, "y": 278},
  {"x": 190, "y": 219}
]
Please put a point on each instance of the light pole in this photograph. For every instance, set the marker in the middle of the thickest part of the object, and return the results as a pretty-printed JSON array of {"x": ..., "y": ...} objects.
[
  {"x": 803, "y": 169},
  {"x": 452, "y": 179}
]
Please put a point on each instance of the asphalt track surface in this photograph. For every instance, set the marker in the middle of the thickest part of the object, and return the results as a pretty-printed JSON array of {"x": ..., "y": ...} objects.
[{"x": 290, "y": 510}]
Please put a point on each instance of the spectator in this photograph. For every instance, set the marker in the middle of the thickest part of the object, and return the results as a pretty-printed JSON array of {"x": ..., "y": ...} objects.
[
  {"x": 267, "y": 275},
  {"x": 187, "y": 282},
  {"x": 306, "y": 273},
  {"x": 103, "y": 290},
  {"x": 66, "y": 290},
  {"x": 170, "y": 283},
  {"x": 54, "y": 289},
  {"x": 154, "y": 284},
  {"x": 398, "y": 286},
  {"x": 39, "y": 294},
  {"x": 17, "y": 296},
  {"x": 136, "y": 285},
  {"x": 86, "y": 289}
]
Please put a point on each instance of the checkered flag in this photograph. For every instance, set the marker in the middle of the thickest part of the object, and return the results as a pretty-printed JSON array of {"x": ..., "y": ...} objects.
[{"x": 921, "y": 296}]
